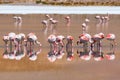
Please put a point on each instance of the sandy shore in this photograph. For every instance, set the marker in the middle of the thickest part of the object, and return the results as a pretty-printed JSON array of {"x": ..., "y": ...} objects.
[{"x": 45, "y": 9}]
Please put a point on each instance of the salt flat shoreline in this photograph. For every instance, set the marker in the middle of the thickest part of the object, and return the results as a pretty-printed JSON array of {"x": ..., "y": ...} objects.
[{"x": 38, "y": 9}]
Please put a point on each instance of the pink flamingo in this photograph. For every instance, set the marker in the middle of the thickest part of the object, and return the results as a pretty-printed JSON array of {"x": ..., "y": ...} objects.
[
  {"x": 45, "y": 26},
  {"x": 12, "y": 41},
  {"x": 103, "y": 21},
  {"x": 52, "y": 42},
  {"x": 9, "y": 38},
  {"x": 18, "y": 22},
  {"x": 53, "y": 24},
  {"x": 98, "y": 25},
  {"x": 84, "y": 39},
  {"x": 12, "y": 36},
  {"x": 68, "y": 23},
  {"x": 111, "y": 37},
  {"x": 68, "y": 20},
  {"x": 6, "y": 53},
  {"x": 32, "y": 39},
  {"x": 53, "y": 48},
  {"x": 98, "y": 18},
  {"x": 97, "y": 38},
  {"x": 60, "y": 46},
  {"x": 85, "y": 25},
  {"x": 6, "y": 39},
  {"x": 69, "y": 48},
  {"x": 44, "y": 22},
  {"x": 107, "y": 18},
  {"x": 84, "y": 28}
]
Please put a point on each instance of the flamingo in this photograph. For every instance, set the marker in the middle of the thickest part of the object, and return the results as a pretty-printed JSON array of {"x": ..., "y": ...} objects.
[
  {"x": 60, "y": 39},
  {"x": 51, "y": 38},
  {"x": 69, "y": 48},
  {"x": 68, "y": 23},
  {"x": 60, "y": 46},
  {"x": 85, "y": 25},
  {"x": 103, "y": 21},
  {"x": 107, "y": 18},
  {"x": 84, "y": 28},
  {"x": 53, "y": 24},
  {"x": 98, "y": 25},
  {"x": 98, "y": 18},
  {"x": 98, "y": 54},
  {"x": 111, "y": 37},
  {"x": 6, "y": 49},
  {"x": 107, "y": 22},
  {"x": 32, "y": 39},
  {"x": 18, "y": 21},
  {"x": 96, "y": 40},
  {"x": 6, "y": 39},
  {"x": 22, "y": 36},
  {"x": 10, "y": 37},
  {"x": 53, "y": 48},
  {"x": 47, "y": 18},
  {"x": 45, "y": 23},
  {"x": 68, "y": 20},
  {"x": 19, "y": 53},
  {"x": 84, "y": 39},
  {"x": 19, "y": 38},
  {"x": 52, "y": 42}
]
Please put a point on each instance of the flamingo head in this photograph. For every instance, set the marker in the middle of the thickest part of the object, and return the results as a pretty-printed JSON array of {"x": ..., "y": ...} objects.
[{"x": 101, "y": 35}]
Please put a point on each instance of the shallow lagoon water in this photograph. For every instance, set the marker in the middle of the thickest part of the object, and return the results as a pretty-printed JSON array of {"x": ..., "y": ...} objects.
[{"x": 106, "y": 69}]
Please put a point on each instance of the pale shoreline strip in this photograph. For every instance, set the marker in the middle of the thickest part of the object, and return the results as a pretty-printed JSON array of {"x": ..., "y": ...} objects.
[{"x": 43, "y": 9}]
